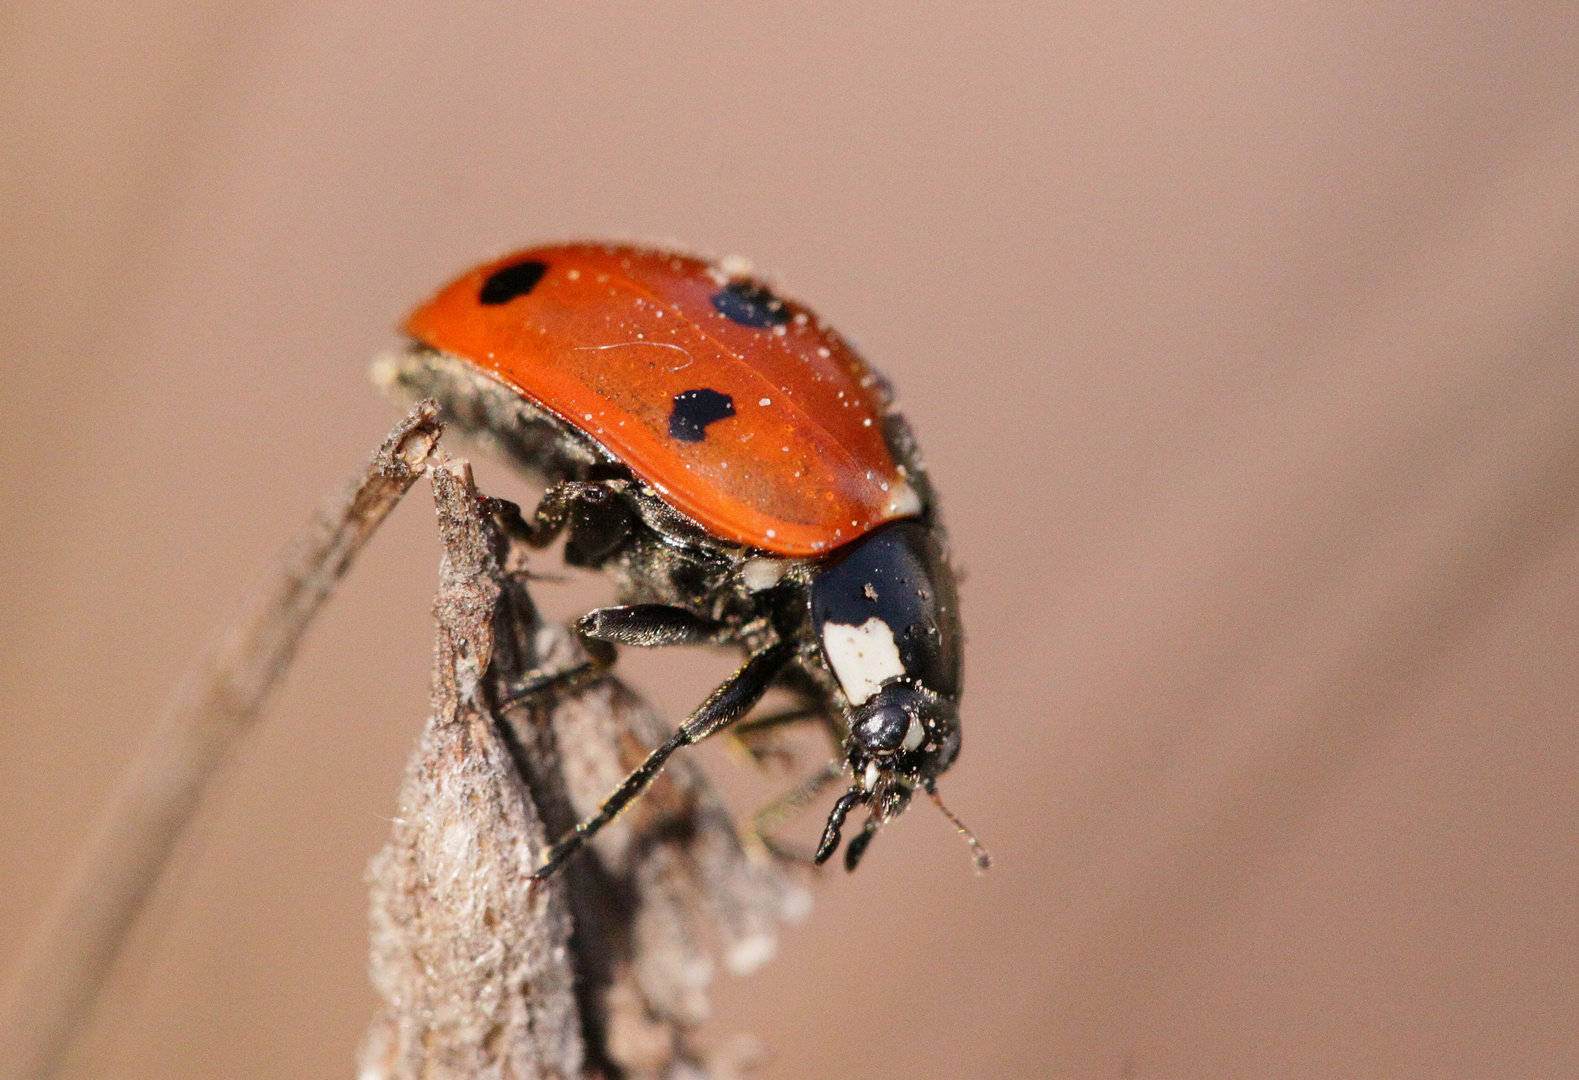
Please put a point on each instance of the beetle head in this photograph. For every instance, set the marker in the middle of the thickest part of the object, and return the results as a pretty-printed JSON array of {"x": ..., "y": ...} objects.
[
  {"x": 903, "y": 733},
  {"x": 902, "y": 737}
]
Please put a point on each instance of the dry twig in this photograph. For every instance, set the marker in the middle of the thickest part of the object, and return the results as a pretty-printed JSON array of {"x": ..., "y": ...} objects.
[
  {"x": 471, "y": 960},
  {"x": 604, "y": 969},
  {"x": 54, "y": 988}
]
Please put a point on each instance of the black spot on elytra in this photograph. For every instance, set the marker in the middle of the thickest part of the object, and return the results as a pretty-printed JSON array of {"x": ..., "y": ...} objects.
[
  {"x": 505, "y": 285},
  {"x": 694, "y": 410},
  {"x": 750, "y": 304}
]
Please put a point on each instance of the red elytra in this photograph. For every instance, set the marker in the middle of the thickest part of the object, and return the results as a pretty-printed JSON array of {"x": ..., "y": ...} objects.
[{"x": 614, "y": 340}]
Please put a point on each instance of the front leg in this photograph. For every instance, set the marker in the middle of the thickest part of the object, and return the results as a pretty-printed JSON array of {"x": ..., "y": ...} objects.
[
  {"x": 723, "y": 707},
  {"x": 760, "y": 836}
]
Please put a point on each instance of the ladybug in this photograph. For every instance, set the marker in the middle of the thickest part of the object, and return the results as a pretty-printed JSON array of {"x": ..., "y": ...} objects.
[{"x": 741, "y": 473}]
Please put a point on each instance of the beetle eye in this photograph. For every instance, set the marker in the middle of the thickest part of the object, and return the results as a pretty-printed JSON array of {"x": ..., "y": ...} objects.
[{"x": 882, "y": 730}]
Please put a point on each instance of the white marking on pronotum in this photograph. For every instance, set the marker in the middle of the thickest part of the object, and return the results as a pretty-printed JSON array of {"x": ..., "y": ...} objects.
[
  {"x": 759, "y": 574},
  {"x": 863, "y": 657},
  {"x": 903, "y": 500}
]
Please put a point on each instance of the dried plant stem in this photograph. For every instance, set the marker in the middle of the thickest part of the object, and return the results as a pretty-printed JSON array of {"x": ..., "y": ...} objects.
[
  {"x": 603, "y": 969},
  {"x": 470, "y": 954},
  {"x": 56, "y": 985}
]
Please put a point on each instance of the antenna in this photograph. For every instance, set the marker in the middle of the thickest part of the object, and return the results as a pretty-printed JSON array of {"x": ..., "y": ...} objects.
[{"x": 982, "y": 857}]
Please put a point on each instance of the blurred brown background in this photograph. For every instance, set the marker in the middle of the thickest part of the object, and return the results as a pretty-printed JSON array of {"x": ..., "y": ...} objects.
[{"x": 1242, "y": 341}]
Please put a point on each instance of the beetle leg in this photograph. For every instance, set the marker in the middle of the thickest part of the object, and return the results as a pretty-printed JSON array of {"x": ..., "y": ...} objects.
[
  {"x": 746, "y": 734},
  {"x": 600, "y": 630},
  {"x": 723, "y": 706},
  {"x": 647, "y": 626},
  {"x": 768, "y": 721},
  {"x": 760, "y": 835},
  {"x": 857, "y": 845},
  {"x": 841, "y": 810},
  {"x": 600, "y": 656}
]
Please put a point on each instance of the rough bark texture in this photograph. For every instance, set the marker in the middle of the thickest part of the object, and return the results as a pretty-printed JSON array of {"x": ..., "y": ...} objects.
[
  {"x": 469, "y": 956},
  {"x": 604, "y": 970}
]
